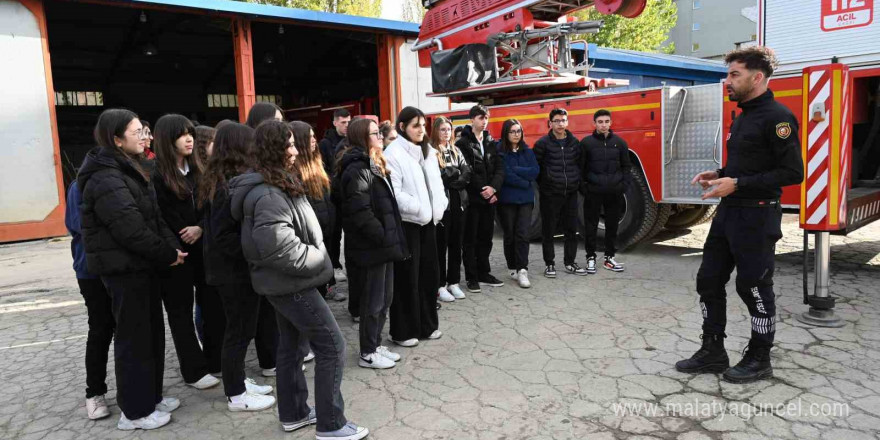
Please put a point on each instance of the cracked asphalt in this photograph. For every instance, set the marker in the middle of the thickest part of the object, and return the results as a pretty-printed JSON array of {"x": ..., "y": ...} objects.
[{"x": 571, "y": 358}]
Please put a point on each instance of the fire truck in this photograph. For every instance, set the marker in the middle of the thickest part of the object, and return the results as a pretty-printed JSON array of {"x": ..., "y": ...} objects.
[{"x": 515, "y": 57}]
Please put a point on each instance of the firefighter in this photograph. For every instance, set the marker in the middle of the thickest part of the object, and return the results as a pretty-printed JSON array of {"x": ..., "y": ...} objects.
[{"x": 763, "y": 155}]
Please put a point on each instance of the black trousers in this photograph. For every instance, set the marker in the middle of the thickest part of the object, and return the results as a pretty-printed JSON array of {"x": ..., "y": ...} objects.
[
  {"x": 139, "y": 346},
  {"x": 334, "y": 245},
  {"x": 240, "y": 304},
  {"x": 479, "y": 225},
  {"x": 414, "y": 308},
  {"x": 745, "y": 239},
  {"x": 99, "y": 305},
  {"x": 354, "y": 299},
  {"x": 375, "y": 288},
  {"x": 266, "y": 339},
  {"x": 553, "y": 208},
  {"x": 213, "y": 320},
  {"x": 593, "y": 204},
  {"x": 515, "y": 221},
  {"x": 178, "y": 295},
  {"x": 306, "y": 314},
  {"x": 450, "y": 233}
]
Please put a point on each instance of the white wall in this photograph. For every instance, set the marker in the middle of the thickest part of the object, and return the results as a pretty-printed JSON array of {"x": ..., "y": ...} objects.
[{"x": 28, "y": 189}]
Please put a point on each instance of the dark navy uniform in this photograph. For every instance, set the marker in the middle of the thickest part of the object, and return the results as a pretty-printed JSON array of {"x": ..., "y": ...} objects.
[{"x": 764, "y": 155}]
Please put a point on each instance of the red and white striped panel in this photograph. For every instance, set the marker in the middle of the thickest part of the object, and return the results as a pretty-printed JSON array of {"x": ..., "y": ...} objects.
[
  {"x": 818, "y": 150},
  {"x": 845, "y": 150}
]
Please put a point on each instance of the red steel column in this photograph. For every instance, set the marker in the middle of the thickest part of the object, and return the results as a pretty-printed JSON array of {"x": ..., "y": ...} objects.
[{"x": 244, "y": 66}]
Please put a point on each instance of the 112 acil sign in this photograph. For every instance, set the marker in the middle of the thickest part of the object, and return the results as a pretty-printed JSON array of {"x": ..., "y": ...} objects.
[{"x": 846, "y": 14}]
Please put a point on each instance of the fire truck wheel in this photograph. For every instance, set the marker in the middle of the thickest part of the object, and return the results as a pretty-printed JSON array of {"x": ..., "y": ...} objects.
[
  {"x": 686, "y": 216},
  {"x": 640, "y": 213}
]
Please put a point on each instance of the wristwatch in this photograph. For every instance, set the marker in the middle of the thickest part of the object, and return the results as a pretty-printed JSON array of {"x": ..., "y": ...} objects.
[{"x": 735, "y": 183}]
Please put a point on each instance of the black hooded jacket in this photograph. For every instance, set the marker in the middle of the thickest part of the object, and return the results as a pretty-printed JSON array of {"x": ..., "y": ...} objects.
[
  {"x": 560, "y": 162},
  {"x": 123, "y": 229},
  {"x": 370, "y": 216},
  {"x": 487, "y": 167},
  {"x": 224, "y": 259},
  {"x": 327, "y": 147},
  {"x": 606, "y": 163}
]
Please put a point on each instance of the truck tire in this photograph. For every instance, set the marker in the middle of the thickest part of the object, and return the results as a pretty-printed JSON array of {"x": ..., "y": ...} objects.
[
  {"x": 640, "y": 213},
  {"x": 686, "y": 216},
  {"x": 663, "y": 212}
]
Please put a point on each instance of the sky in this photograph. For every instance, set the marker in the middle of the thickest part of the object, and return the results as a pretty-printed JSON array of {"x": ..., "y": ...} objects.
[{"x": 392, "y": 9}]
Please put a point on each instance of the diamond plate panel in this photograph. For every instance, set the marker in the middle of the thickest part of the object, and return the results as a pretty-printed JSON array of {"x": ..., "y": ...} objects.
[
  {"x": 678, "y": 177},
  {"x": 697, "y": 139}
]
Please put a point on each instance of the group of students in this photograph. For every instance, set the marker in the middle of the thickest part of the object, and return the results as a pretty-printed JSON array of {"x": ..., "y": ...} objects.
[{"x": 251, "y": 217}]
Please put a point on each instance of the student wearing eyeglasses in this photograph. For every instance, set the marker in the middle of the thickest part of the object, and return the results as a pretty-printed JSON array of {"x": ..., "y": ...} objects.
[
  {"x": 516, "y": 199},
  {"x": 559, "y": 156}
]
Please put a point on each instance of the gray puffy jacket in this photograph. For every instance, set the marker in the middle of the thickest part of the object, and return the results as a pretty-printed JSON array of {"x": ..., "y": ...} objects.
[{"x": 280, "y": 237}]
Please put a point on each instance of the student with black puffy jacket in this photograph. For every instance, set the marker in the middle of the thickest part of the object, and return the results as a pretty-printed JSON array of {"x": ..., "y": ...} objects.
[
  {"x": 606, "y": 177},
  {"x": 283, "y": 244},
  {"x": 371, "y": 220},
  {"x": 127, "y": 242}
]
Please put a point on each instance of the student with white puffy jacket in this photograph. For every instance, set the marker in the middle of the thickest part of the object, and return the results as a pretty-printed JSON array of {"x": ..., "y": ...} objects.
[{"x": 421, "y": 200}]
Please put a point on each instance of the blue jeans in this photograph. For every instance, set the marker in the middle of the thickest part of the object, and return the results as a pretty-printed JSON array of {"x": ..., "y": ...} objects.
[{"x": 306, "y": 313}]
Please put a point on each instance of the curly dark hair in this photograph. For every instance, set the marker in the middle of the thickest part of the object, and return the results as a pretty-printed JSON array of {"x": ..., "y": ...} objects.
[
  {"x": 271, "y": 141},
  {"x": 755, "y": 58},
  {"x": 233, "y": 155}
]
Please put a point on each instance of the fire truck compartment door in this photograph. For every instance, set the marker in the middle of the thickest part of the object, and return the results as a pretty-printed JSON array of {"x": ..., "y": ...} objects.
[{"x": 691, "y": 139}]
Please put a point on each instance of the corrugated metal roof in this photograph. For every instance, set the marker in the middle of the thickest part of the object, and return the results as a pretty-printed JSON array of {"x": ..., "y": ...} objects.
[
  {"x": 282, "y": 13},
  {"x": 655, "y": 59}
]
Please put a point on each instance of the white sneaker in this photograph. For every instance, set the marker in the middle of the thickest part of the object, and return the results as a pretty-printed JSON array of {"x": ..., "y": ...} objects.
[
  {"x": 155, "y": 420},
  {"x": 339, "y": 274},
  {"x": 348, "y": 432},
  {"x": 436, "y": 335},
  {"x": 249, "y": 401},
  {"x": 168, "y": 404},
  {"x": 375, "y": 360},
  {"x": 254, "y": 388},
  {"x": 444, "y": 295},
  {"x": 310, "y": 419},
  {"x": 96, "y": 408},
  {"x": 513, "y": 274},
  {"x": 384, "y": 351},
  {"x": 523, "y": 279},
  {"x": 455, "y": 291},
  {"x": 207, "y": 381},
  {"x": 407, "y": 343},
  {"x": 268, "y": 372},
  {"x": 309, "y": 356}
]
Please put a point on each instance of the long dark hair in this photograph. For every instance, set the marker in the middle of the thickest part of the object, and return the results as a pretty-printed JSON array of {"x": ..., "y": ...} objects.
[
  {"x": 359, "y": 137},
  {"x": 204, "y": 136},
  {"x": 233, "y": 155},
  {"x": 271, "y": 141},
  {"x": 404, "y": 118},
  {"x": 111, "y": 124},
  {"x": 505, "y": 131},
  {"x": 262, "y": 111},
  {"x": 169, "y": 128},
  {"x": 309, "y": 164}
]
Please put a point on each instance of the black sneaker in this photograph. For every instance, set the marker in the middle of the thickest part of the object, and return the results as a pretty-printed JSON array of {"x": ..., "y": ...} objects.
[
  {"x": 550, "y": 271},
  {"x": 473, "y": 286},
  {"x": 575, "y": 269},
  {"x": 612, "y": 265},
  {"x": 591, "y": 265},
  {"x": 490, "y": 280}
]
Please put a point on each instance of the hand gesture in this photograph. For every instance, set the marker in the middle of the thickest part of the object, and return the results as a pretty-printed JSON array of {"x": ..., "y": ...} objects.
[
  {"x": 180, "y": 256},
  {"x": 704, "y": 178},
  {"x": 190, "y": 234},
  {"x": 487, "y": 192},
  {"x": 722, "y": 187}
]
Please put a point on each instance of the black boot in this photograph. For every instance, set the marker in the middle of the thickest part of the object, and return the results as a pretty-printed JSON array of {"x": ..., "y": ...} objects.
[
  {"x": 754, "y": 366},
  {"x": 710, "y": 358}
]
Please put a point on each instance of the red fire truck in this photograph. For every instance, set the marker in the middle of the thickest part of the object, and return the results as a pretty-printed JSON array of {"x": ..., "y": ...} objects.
[{"x": 829, "y": 75}]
